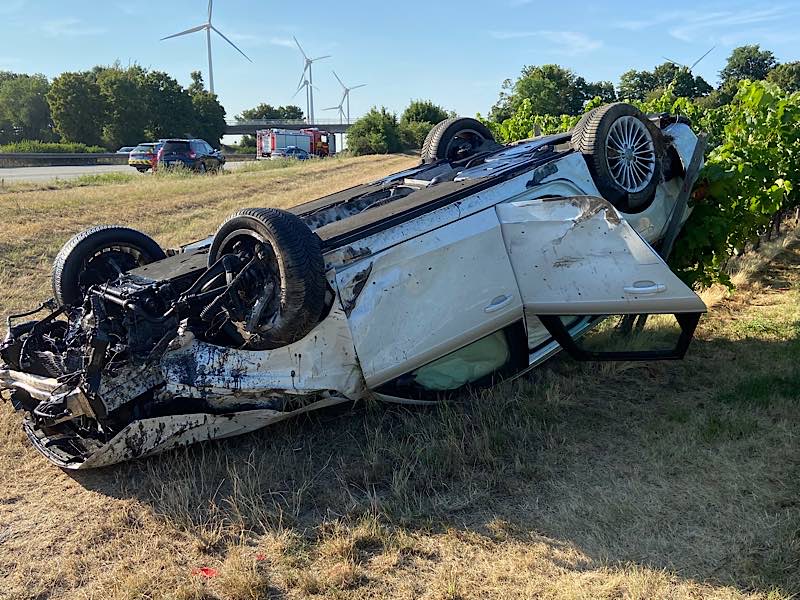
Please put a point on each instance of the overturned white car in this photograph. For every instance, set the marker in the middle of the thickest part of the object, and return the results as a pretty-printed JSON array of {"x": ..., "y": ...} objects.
[{"x": 475, "y": 266}]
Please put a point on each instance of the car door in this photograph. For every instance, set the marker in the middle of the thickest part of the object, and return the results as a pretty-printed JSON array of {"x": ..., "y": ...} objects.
[
  {"x": 577, "y": 256},
  {"x": 428, "y": 296}
]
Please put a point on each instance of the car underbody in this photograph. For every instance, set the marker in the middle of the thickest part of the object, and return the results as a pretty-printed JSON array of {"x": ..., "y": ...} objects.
[{"x": 469, "y": 269}]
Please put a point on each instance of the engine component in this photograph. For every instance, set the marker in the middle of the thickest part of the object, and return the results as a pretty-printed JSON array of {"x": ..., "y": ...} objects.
[{"x": 289, "y": 294}]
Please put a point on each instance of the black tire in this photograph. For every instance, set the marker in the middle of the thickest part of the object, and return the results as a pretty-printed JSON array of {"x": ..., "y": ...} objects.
[
  {"x": 98, "y": 255},
  {"x": 425, "y": 151},
  {"x": 581, "y": 124},
  {"x": 201, "y": 168},
  {"x": 589, "y": 137},
  {"x": 141, "y": 169},
  {"x": 471, "y": 135},
  {"x": 300, "y": 266}
]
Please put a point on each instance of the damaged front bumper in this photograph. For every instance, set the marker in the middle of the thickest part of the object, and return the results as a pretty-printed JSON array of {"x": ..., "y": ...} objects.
[{"x": 204, "y": 392}]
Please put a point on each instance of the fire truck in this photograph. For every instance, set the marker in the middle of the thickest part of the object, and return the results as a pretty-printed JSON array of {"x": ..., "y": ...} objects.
[{"x": 316, "y": 142}]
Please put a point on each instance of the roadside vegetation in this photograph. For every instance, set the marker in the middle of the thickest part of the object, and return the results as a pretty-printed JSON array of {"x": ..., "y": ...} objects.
[
  {"x": 108, "y": 106},
  {"x": 751, "y": 179},
  {"x": 675, "y": 480},
  {"x": 28, "y": 146}
]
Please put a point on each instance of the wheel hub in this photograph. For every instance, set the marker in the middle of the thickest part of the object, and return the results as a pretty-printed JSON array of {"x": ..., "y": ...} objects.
[{"x": 630, "y": 153}]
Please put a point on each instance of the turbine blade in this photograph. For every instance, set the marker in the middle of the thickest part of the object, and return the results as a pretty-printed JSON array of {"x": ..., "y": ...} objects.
[
  {"x": 332, "y": 108},
  {"x": 339, "y": 80},
  {"x": 701, "y": 58},
  {"x": 355, "y": 87},
  {"x": 220, "y": 34},
  {"x": 210, "y": 9},
  {"x": 302, "y": 78},
  {"x": 188, "y": 31},
  {"x": 320, "y": 58},
  {"x": 674, "y": 62},
  {"x": 299, "y": 47},
  {"x": 297, "y": 91}
]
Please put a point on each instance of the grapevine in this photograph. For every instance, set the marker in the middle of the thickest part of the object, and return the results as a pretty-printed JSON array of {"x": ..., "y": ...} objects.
[{"x": 749, "y": 182}]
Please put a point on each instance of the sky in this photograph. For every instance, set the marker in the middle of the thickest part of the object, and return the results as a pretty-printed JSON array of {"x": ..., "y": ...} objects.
[{"x": 456, "y": 53}]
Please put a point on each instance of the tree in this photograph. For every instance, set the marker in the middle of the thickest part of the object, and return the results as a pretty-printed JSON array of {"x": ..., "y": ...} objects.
[
  {"x": 126, "y": 116},
  {"x": 209, "y": 116},
  {"x": 748, "y": 62},
  {"x": 424, "y": 111},
  {"x": 169, "y": 107},
  {"x": 552, "y": 90},
  {"x": 601, "y": 89},
  {"x": 377, "y": 132},
  {"x": 786, "y": 76},
  {"x": 24, "y": 112},
  {"x": 77, "y": 107},
  {"x": 198, "y": 85},
  {"x": 641, "y": 85},
  {"x": 267, "y": 111}
]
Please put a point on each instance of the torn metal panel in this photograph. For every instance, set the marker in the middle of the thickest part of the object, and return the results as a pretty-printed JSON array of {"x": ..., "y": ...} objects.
[
  {"x": 152, "y": 436},
  {"x": 578, "y": 256},
  {"x": 323, "y": 360}
]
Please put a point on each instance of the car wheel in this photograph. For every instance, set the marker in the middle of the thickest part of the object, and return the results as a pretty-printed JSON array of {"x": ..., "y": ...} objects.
[
  {"x": 98, "y": 255},
  {"x": 456, "y": 139},
  {"x": 624, "y": 153},
  {"x": 201, "y": 168},
  {"x": 296, "y": 273}
]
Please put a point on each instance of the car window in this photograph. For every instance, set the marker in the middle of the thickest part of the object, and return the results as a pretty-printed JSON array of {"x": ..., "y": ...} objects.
[
  {"x": 176, "y": 147},
  {"x": 143, "y": 149},
  {"x": 207, "y": 147}
]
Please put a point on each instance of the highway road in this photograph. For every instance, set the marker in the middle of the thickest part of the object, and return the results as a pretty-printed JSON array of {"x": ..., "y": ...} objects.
[{"x": 45, "y": 174}]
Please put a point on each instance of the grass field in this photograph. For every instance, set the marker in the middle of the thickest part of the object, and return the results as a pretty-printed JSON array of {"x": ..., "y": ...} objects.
[{"x": 665, "y": 480}]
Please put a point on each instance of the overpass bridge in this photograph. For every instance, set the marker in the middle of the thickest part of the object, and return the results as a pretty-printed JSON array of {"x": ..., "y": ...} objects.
[{"x": 236, "y": 127}]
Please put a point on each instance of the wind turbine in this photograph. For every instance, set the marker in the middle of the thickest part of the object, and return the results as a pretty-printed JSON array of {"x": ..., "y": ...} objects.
[
  {"x": 208, "y": 27},
  {"x": 308, "y": 82},
  {"x": 694, "y": 64},
  {"x": 340, "y": 108},
  {"x": 309, "y": 91},
  {"x": 346, "y": 95}
]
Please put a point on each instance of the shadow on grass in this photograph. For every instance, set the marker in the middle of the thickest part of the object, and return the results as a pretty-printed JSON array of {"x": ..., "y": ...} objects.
[{"x": 690, "y": 467}]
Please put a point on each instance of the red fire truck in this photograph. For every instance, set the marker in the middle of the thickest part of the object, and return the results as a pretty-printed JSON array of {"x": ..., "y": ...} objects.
[{"x": 313, "y": 141}]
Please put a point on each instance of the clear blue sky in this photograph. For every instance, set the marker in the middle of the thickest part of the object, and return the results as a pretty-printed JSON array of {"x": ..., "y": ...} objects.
[{"x": 456, "y": 53}]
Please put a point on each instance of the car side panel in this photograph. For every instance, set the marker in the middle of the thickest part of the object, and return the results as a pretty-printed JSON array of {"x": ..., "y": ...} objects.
[
  {"x": 578, "y": 256},
  {"x": 417, "y": 301}
]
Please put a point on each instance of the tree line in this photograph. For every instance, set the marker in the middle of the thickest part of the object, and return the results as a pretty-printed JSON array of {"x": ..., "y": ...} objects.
[
  {"x": 546, "y": 98},
  {"x": 107, "y": 106}
]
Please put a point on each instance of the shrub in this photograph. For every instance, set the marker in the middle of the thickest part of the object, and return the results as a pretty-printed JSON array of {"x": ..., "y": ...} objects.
[
  {"x": 33, "y": 146},
  {"x": 413, "y": 133},
  {"x": 377, "y": 132}
]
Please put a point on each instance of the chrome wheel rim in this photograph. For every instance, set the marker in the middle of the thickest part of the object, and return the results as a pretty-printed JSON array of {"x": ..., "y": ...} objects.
[{"x": 630, "y": 154}]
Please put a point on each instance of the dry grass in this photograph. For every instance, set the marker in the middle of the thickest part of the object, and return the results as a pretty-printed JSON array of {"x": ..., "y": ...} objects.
[{"x": 668, "y": 480}]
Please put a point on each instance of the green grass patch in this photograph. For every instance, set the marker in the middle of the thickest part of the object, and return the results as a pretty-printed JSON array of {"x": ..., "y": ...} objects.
[
  {"x": 727, "y": 427},
  {"x": 761, "y": 390}
]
